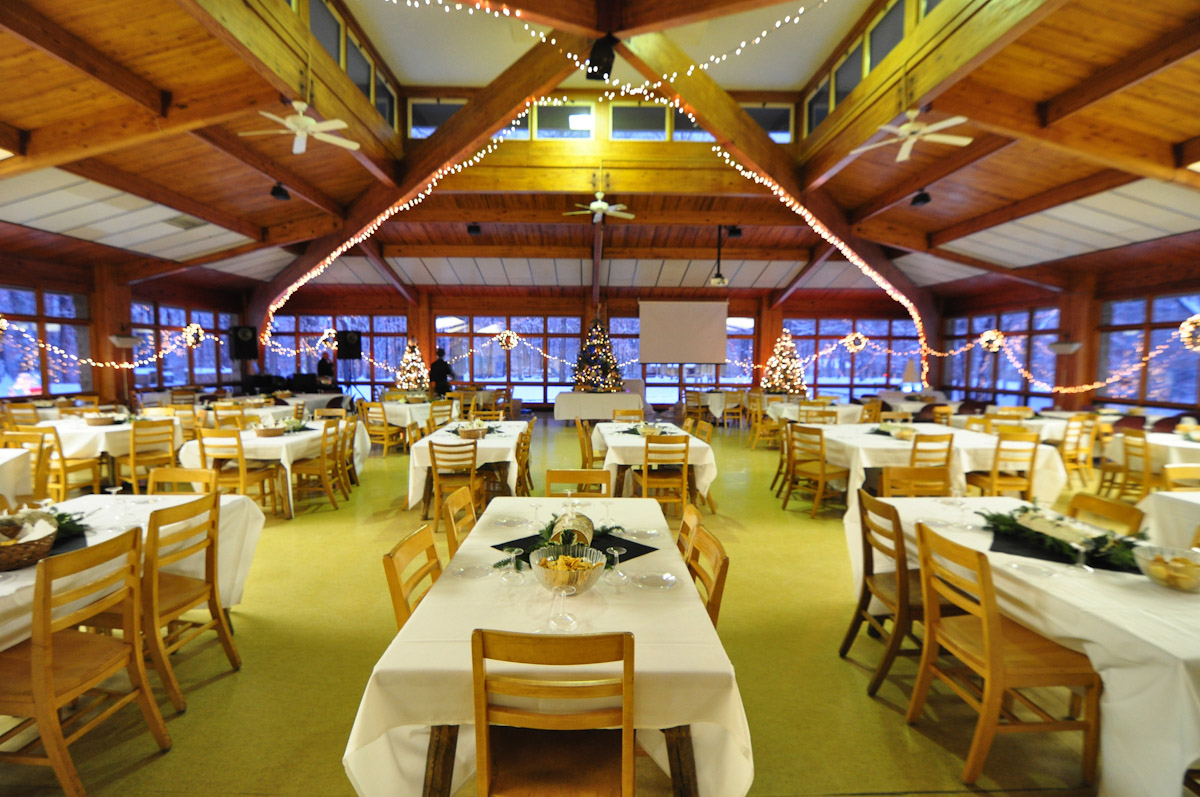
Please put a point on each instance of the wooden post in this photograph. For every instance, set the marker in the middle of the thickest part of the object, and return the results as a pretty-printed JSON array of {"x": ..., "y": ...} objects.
[
  {"x": 1079, "y": 316},
  {"x": 769, "y": 326},
  {"x": 110, "y": 308},
  {"x": 421, "y": 326}
]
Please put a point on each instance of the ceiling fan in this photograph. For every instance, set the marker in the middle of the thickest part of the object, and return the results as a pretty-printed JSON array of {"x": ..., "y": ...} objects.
[
  {"x": 910, "y": 132},
  {"x": 301, "y": 125},
  {"x": 599, "y": 209}
]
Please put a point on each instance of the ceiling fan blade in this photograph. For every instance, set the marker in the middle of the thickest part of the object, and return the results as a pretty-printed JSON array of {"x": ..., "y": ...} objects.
[
  {"x": 893, "y": 129},
  {"x": 598, "y": 217},
  {"x": 906, "y": 149},
  {"x": 588, "y": 208},
  {"x": 329, "y": 124},
  {"x": 274, "y": 118},
  {"x": 942, "y": 138},
  {"x": 620, "y": 214},
  {"x": 299, "y": 143},
  {"x": 337, "y": 141},
  {"x": 577, "y": 213},
  {"x": 945, "y": 123},
  {"x": 876, "y": 145},
  {"x": 616, "y": 207},
  {"x": 267, "y": 133}
]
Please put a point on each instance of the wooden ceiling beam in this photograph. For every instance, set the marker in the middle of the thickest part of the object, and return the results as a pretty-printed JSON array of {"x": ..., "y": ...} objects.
[
  {"x": 583, "y": 251},
  {"x": 137, "y": 185},
  {"x": 819, "y": 256},
  {"x": 538, "y": 71},
  {"x": 980, "y": 148},
  {"x": 13, "y": 139},
  {"x": 774, "y": 215},
  {"x": 641, "y": 178},
  {"x": 1060, "y": 195},
  {"x": 1139, "y": 65},
  {"x": 653, "y": 54},
  {"x": 1187, "y": 153},
  {"x": 597, "y": 253},
  {"x": 371, "y": 251},
  {"x": 581, "y": 17},
  {"x": 236, "y": 147},
  {"x": 647, "y": 16},
  {"x": 43, "y": 34}
]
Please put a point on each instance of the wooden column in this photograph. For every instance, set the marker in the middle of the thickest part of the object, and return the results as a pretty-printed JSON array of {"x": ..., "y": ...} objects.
[
  {"x": 421, "y": 326},
  {"x": 110, "y": 311},
  {"x": 768, "y": 326},
  {"x": 1079, "y": 316}
]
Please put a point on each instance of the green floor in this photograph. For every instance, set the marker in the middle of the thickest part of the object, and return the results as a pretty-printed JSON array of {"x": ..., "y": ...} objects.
[{"x": 316, "y": 616}]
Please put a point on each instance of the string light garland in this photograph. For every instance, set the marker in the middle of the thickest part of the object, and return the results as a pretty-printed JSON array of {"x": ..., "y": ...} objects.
[
  {"x": 992, "y": 340},
  {"x": 412, "y": 374},
  {"x": 855, "y": 342},
  {"x": 507, "y": 340},
  {"x": 193, "y": 334},
  {"x": 1189, "y": 333}
]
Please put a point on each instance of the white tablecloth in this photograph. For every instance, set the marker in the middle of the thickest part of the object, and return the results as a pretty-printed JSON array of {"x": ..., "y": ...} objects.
[
  {"x": 683, "y": 676},
  {"x": 402, "y": 414},
  {"x": 1172, "y": 518},
  {"x": 1143, "y": 639},
  {"x": 630, "y": 449},
  {"x": 593, "y": 406},
  {"x": 256, "y": 414},
  {"x": 15, "y": 475},
  {"x": 318, "y": 401},
  {"x": 1165, "y": 448},
  {"x": 107, "y": 516},
  {"x": 846, "y": 413},
  {"x": 716, "y": 401},
  {"x": 1048, "y": 429},
  {"x": 500, "y": 446},
  {"x": 80, "y": 441}
]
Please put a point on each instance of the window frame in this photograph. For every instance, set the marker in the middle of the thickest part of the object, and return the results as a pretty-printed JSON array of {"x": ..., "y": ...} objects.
[
  {"x": 408, "y": 107},
  {"x": 219, "y": 332},
  {"x": 668, "y": 120},
  {"x": 38, "y": 321},
  {"x": 853, "y": 388},
  {"x": 540, "y": 339},
  {"x": 379, "y": 380},
  {"x": 1027, "y": 395},
  {"x": 1147, "y": 327},
  {"x": 535, "y": 125}
]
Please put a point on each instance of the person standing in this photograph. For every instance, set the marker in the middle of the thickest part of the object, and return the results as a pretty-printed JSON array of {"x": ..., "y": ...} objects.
[
  {"x": 440, "y": 374},
  {"x": 325, "y": 369}
]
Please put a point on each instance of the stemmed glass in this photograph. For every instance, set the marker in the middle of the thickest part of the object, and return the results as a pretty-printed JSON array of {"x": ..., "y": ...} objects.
[
  {"x": 616, "y": 576},
  {"x": 513, "y": 577},
  {"x": 1080, "y": 566},
  {"x": 561, "y": 620},
  {"x": 607, "y": 510}
]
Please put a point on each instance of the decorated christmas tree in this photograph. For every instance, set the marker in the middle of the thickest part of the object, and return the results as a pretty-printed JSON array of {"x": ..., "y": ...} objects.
[
  {"x": 783, "y": 373},
  {"x": 412, "y": 374},
  {"x": 596, "y": 367}
]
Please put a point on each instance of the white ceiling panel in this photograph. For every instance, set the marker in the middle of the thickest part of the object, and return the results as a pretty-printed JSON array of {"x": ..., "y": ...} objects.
[
  {"x": 466, "y": 270},
  {"x": 543, "y": 271},
  {"x": 261, "y": 264},
  {"x": 671, "y": 273},
  {"x": 199, "y": 242},
  {"x": 364, "y": 270},
  {"x": 412, "y": 269},
  {"x": 975, "y": 246},
  {"x": 774, "y": 273},
  {"x": 1116, "y": 203},
  {"x": 492, "y": 270},
  {"x": 99, "y": 231},
  {"x": 1162, "y": 195},
  {"x": 925, "y": 269},
  {"x": 440, "y": 270},
  {"x": 747, "y": 273},
  {"x": 620, "y": 273},
  {"x": 647, "y": 273},
  {"x": 30, "y": 184},
  {"x": 569, "y": 272},
  {"x": 516, "y": 270},
  {"x": 338, "y": 273},
  {"x": 698, "y": 272}
]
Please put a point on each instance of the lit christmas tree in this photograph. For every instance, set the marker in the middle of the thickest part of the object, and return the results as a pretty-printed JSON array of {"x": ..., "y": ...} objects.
[
  {"x": 412, "y": 374},
  {"x": 596, "y": 367},
  {"x": 783, "y": 373}
]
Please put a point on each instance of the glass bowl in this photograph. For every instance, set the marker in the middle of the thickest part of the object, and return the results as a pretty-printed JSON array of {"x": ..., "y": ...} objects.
[
  {"x": 581, "y": 580},
  {"x": 1175, "y": 568}
]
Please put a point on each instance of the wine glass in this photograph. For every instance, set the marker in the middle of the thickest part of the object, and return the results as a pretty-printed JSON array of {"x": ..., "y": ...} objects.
[
  {"x": 608, "y": 502},
  {"x": 512, "y": 576},
  {"x": 561, "y": 620},
  {"x": 1080, "y": 566},
  {"x": 616, "y": 576}
]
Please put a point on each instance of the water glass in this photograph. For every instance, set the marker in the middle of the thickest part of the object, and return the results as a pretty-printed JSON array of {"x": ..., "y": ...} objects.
[
  {"x": 512, "y": 577},
  {"x": 561, "y": 620}
]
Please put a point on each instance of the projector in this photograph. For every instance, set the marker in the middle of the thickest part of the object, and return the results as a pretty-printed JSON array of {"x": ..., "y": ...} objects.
[{"x": 718, "y": 281}]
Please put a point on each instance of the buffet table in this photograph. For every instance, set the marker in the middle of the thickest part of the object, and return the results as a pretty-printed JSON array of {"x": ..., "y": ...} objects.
[
  {"x": 593, "y": 406},
  {"x": 683, "y": 676}
]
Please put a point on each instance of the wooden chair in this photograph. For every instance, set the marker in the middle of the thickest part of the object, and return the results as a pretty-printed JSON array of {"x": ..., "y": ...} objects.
[
  {"x": 487, "y": 415},
  {"x": 1012, "y": 467},
  {"x": 522, "y": 751},
  {"x": 871, "y": 411},
  {"x": 524, "y": 479},
  {"x": 1181, "y": 477},
  {"x": 151, "y": 445},
  {"x": 1088, "y": 437},
  {"x": 170, "y": 481},
  {"x": 186, "y": 530},
  {"x": 1137, "y": 480},
  {"x": 183, "y": 397},
  {"x": 441, "y": 412},
  {"x": 896, "y": 481},
  {"x": 704, "y": 431},
  {"x": 228, "y": 415},
  {"x": 979, "y": 423},
  {"x": 708, "y": 565},
  {"x": 57, "y": 484},
  {"x": 807, "y": 469},
  {"x": 1123, "y": 518},
  {"x": 629, "y": 415},
  {"x": 298, "y": 410},
  {"x": 347, "y": 469},
  {"x": 689, "y": 425},
  {"x": 413, "y": 433},
  {"x": 694, "y": 406},
  {"x": 592, "y": 481},
  {"x": 459, "y": 509},
  {"x": 942, "y": 414},
  {"x": 1068, "y": 449},
  {"x": 40, "y": 447},
  {"x": 588, "y": 458},
  {"x": 21, "y": 413},
  {"x": 379, "y": 429},
  {"x": 733, "y": 409},
  {"x": 323, "y": 413},
  {"x": 931, "y": 450},
  {"x": 150, "y": 412},
  {"x": 452, "y": 465},
  {"x": 763, "y": 427},
  {"x": 189, "y": 418},
  {"x": 898, "y": 588},
  {"x": 60, "y": 665},
  {"x": 687, "y": 529},
  {"x": 896, "y": 416},
  {"x": 1005, "y": 654},
  {"x": 323, "y": 471},
  {"x": 664, "y": 472},
  {"x": 221, "y": 449},
  {"x": 393, "y": 395},
  {"x": 824, "y": 417},
  {"x": 397, "y": 563}
]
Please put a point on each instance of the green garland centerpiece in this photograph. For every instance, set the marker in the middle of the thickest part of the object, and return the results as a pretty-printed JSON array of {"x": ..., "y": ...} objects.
[
  {"x": 1058, "y": 535},
  {"x": 602, "y": 539}
]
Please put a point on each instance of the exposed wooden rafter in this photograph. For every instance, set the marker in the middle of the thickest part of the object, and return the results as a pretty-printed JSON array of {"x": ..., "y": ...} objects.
[
  {"x": 819, "y": 256},
  {"x": 13, "y": 139},
  {"x": 1059, "y": 195},
  {"x": 513, "y": 212},
  {"x": 584, "y": 251},
  {"x": 37, "y": 31},
  {"x": 645, "y": 16},
  {"x": 371, "y": 251},
  {"x": 1187, "y": 153},
  {"x": 1139, "y": 65},
  {"x": 597, "y": 252}
]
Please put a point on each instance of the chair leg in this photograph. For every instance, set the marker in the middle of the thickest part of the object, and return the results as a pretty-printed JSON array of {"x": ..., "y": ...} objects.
[
  {"x": 224, "y": 632},
  {"x": 51, "y": 734},
  {"x": 145, "y": 699},
  {"x": 916, "y": 703},
  {"x": 901, "y": 626},
  {"x": 1091, "y": 734},
  {"x": 864, "y": 599},
  {"x": 985, "y": 730},
  {"x": 342, "y": 485},
  {"x": 817, "y": 496},
  {"x": 162, "y": 665}
]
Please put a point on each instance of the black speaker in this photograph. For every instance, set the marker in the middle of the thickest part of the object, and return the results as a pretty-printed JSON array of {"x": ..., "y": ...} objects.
[
  {"x": 349, "y": 344},
  {"x": 243, "y": 342}
]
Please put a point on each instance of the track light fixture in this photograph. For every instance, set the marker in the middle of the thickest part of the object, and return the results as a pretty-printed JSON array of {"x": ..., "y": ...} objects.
[
  {"x": 719, "y": 280},
  {"x": 280, "y": 193},
  {"x": 474, "y": 229},
  {"x": 602, "y": 58},
  {"x": 733, "y": 231},
  {"x": 921, "y": 198}
]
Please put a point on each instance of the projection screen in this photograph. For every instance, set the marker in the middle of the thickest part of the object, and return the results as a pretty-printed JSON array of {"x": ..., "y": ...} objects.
[{"x": 682, "y": 332}]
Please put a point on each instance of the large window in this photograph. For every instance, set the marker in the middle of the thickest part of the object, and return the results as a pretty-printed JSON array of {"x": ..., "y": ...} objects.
[
  {"x": 383, "y": 339},
  {"x": 666, "y": 381},
  {"x": 60, "y": 321},
  {"x": 1132, "y": 328},
  {"x": 997, "y": 378},
  {"x": 160, "y": 326},
  {"x": 891, "y": 343},
  {"x": 476, "y": 357}
]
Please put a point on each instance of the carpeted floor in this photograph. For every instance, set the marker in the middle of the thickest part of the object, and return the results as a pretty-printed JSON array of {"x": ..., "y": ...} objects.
[{"x": 316, "y": 616}]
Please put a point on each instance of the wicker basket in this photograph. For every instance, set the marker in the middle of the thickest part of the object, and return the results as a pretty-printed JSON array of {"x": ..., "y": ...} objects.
[
  {"x": 23, "y": 554},
  {"x": 100, "y": 421},
  {"x": 468, "y": 433},
  {"x": 273, "y": 431}
]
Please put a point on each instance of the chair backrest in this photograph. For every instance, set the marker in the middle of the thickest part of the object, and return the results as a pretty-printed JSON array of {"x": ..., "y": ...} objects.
[
  {"x": 1015, "y": 451},
  {"x": 404, "y": 581},
  {"x": 895, "y": 415},
  {"x": 152, "y": 436},
  {"x": 805, "y": 443},
  {"x": 329, "y": 412},
  {"x": 1014, "y": 412},
  {"x": 22, "y": 413},
  {"x": 393, "y": 395},
  {"x": 487, "y": 415},
  {"x": 118, "y": 559},
  {"x": 962, "y": 577},
  {"x": 687, "y": 529},
  {"x": 665, "y": 449},
  {"x": 543, "y": 650},
  {"x": 1137, "y": 453},
  {"x": 931, "y": 450},
  {"x": 941, "y": 414},
  {"x": 330, "y": 440},
  {"x": 374, "y": 413},
  {"x": 1128, "y": 519},
  {"x": 41, "y": 446},
  {"x": 1182, "y": 476},
  {"x": 871, "y": 410},
  {"x": 459, "y": 511},
  {"x": 441, "y": 411},
  {"x": 160, "y": 412},
  {"x": 229, "y": 419},
  {"x": 914, "y": 480},
  {"x": 448, "y": 457},
  {"x": 821, "y": 416},
  {"x": 221, "y": 444},
  {"x": 594, "y": 481},
  {"x": 414, "y": 432},
  {"x": 628, "y": 415},
  {"x": 689, "y": 424},
  {"x": 585, "y": 443},
  {"x": 183, "y": 397},
  {"x": 1071, "y": 433},
  {"x": 979, "y": 423},
  {"x": 882, "y": 533},
  {"x": 181, "y": 480},
  {"x": 704, "y": 431},
  {"x": 708, "y": 565},
  {"x": 176, "y": 533},
  {"x": 298, "y": 410}
]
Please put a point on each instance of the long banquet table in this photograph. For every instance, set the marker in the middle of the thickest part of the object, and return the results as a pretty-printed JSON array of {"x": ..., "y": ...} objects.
[
  {"x": 625, "y": 450},
  {"x": 570, "y": 404},
  {"x": 107, "y": 516},
  {"x": 499, "y": 446},
  {"x": 1048, "y": 429},
  {"x": 1143, "y": 639},
  {"x": 80, "y": 441},
  {"x": 403, "y": 413},
  {"x": 683, "y": 675},
  {"x": 786, "y": 410},
  {"x": 1165, "y": 448}
]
